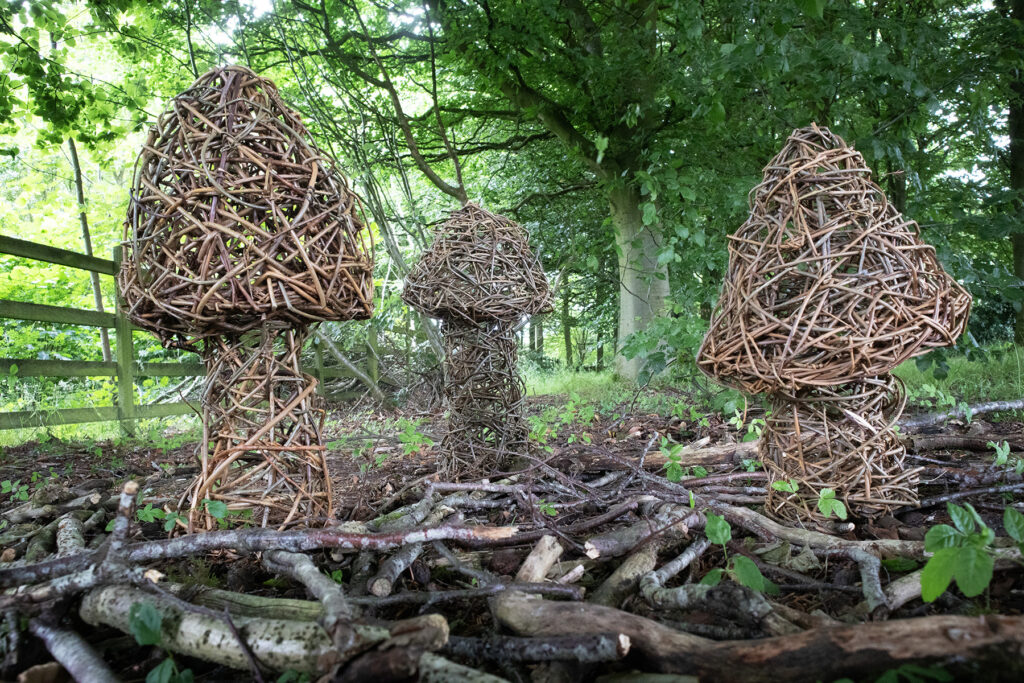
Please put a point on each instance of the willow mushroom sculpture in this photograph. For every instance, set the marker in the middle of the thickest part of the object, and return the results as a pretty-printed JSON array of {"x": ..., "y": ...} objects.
[
  {"x": 828, "y": 289},
  {"x": 480, "y": 278},
  {"x": 241, "y": 234}
]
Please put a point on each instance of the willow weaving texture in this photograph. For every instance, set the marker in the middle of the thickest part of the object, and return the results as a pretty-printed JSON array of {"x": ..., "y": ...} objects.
[
  {"x": 240, "y": 235},
  {"x": 236, "y": 217},
  {"x": 828, "y": 289},
  {"x": 838, "y": 438},
  {"x": 263, "y": 423},
  {"x": 827, "y": 282},
  {"x": 480, "y": 278}
]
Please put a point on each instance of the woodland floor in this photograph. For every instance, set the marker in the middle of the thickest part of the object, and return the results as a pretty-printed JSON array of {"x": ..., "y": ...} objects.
[{"x": 598, "y": 487}]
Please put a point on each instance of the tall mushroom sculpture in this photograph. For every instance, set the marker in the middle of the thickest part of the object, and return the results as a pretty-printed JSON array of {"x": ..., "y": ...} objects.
[
  {"x": 828, "y": 289},
  {"x": 241, "y": 234},
  {"x": 480, "y": 277}
]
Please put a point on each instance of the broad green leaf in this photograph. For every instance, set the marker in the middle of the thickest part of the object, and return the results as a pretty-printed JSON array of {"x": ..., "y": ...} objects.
[
  {"x": 162, "y": 672},
  {"x": 973, "y": 570},
  {"x": 813, "y": 8},
  {"x": 1013, "y": 522},
  {"x": 218, "y": 509},
  {"x": 144, "y": 622},
  {"x": 717, "y": 529},
  {"x": 745, "y": 572},
  {"x": 713, "y": 577},
  {"x": 962, "y": 519},
  {"x": 937, "y": 573},
  {"x": 717, "y": 112},
  {"x": 942, "y": 536}
]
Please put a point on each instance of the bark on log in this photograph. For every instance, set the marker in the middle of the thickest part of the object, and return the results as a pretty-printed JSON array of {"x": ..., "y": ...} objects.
[
  {"x": 276, "y": 643},
  {"x": 587, "y": 649},
  {"x": 921, "y": 421},
  {"x": 818, "y": 654}
]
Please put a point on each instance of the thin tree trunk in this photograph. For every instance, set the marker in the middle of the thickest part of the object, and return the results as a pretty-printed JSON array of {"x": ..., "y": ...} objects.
[
  {"x": 97, "y": 293},
  {"x": 643, "y": 283},
  {"x": 600, "y": 356},
  {"x": 1016, "y": 130},
  {"x": 567, "y": 326}
]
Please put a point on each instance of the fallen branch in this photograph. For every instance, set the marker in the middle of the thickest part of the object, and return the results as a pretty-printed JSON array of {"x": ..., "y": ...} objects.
[
  {"x": 73, "y": 653},
  {"x": 961, "y": 412},
  {"x": 275, "y": 643},
  {"x": 817, "y": 654},
  {"x": 588, "y": 649}
]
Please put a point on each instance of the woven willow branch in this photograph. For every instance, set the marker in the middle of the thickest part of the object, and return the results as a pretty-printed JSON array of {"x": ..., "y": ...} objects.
[
  {"x": 828, "y": 289},
  {"x": 240, "y": 235},
  {"x": 480, "y": 277}
]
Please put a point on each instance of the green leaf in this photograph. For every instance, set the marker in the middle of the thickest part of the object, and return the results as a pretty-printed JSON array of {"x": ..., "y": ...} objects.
[
  {"x": 942, "y": 536},
  {"x": 1013, "y": 522},
  {"x": 812, "y": 8},
  {"x": 899, "y": 564},
  {"x": 937, "y": 573},
  {"x": 717, "y": 529},
  {"x": 650, "y": 213},
  {"x": 973, "y": 570},
  {"x": 745, "y": 572},
  {"x": 717, "y": 112},
  {"x": 162, "y": 672},
  {"x": 218, "y": 509},
  {"x": 962, "y": 519},
  {"x": 713, "y": 577},
  {"x": 144, "y": 622}
]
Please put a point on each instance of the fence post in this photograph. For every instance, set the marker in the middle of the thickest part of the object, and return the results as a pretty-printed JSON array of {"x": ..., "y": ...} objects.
[{"x": 125, "y": 358}]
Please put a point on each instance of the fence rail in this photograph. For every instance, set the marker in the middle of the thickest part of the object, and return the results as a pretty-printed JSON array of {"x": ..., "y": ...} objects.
[{"x": 125, "y": 368}]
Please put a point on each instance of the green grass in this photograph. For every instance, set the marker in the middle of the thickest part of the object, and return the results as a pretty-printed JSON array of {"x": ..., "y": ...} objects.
[
  {"x": 588, "y": 385},
  {"x": 149, "y": 432},
  {"x": 997, "y": 377}
]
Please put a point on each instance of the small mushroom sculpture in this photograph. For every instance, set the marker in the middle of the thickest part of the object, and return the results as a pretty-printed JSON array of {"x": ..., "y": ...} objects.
[
  {"x": 828, "y": 289},
  {"x": 480, "y": 279},
  {"x": 241, "y": 234}
]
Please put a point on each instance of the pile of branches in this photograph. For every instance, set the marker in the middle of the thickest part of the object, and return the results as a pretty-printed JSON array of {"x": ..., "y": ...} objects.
[{"x": 588, "y": 562}]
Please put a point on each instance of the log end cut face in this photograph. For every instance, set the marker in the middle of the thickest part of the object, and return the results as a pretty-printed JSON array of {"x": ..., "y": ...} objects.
[
  {"x": 236, "y": 217},
  {"x": 480, "y": 267},
  {"x": 827, "y": 281}
]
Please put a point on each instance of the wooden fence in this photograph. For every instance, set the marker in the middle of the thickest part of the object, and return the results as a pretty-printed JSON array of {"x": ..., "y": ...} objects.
[{"x": 124, "y": 367}]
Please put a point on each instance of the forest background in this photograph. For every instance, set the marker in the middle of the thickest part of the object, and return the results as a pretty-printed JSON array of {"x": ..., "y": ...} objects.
[{"x": 625, "y": 135}]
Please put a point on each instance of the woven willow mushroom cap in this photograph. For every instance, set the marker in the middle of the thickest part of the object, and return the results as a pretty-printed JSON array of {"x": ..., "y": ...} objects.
[
  {"x": 237, "y": 217},
  {"x": 480, "y": 267},
  {"x": 827, "y": 282}
]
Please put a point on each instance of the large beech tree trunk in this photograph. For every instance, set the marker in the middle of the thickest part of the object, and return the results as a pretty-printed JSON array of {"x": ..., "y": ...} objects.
[
  {"x": 643, "y": 284},
  {"x": 1016, "y": 131}
]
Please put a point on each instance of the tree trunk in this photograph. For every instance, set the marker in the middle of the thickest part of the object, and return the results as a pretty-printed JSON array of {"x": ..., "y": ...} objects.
[
  {"x": 539, "y": 322},
  {"x": 600, "y": 356},
  {"x": 1016, "y": 130},
  {"x": 567, "y": 326},
  {"x": 97, "y": 293},
  {"x": 643, "y": 284}
]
